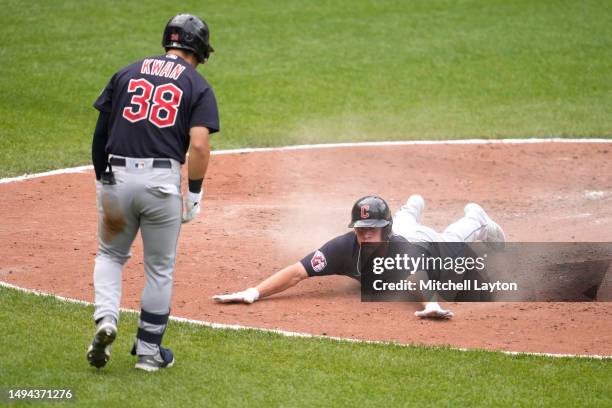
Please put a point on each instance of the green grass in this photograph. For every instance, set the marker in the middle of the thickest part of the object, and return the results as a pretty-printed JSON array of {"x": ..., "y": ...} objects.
[
  {"x": 303, "y": 72},
  {"x": 251, "y": 368}
]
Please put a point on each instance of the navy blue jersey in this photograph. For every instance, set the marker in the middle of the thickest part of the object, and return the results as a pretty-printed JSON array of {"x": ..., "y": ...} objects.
[
  {"x": 341, "y": 256},
  {"x": 152, "y": 105}
]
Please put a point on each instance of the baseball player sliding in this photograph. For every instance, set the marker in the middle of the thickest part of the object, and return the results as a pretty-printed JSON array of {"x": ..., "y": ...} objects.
[
  {"x": 372, "y": 222},
  {"x": 151, "y": 113}
]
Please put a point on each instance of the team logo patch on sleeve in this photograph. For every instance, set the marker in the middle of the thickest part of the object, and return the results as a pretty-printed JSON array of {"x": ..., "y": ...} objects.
[{"x": 318, "y": 261}]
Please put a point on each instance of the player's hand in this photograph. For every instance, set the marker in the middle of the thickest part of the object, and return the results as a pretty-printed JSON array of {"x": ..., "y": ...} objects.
[
  {"x": 246, "y": 296},
  {"x": 434, "y": 311},
  {"x": 192, "y": 206}
]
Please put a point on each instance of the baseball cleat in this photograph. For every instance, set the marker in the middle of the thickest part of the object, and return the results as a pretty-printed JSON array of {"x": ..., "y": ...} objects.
[
  {"x": 99, "y": 351},
  {"x": 434, "y": 311},
  {"x": 494, "y": 235},
  {"x": 415, "y": 205},
  {"x": 163, "y": 359}
]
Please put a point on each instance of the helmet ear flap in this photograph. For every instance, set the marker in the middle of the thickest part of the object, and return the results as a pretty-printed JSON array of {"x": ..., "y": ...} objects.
[
  {"x": 206, "y": 54},
  {"x": 387, "y": 231}
]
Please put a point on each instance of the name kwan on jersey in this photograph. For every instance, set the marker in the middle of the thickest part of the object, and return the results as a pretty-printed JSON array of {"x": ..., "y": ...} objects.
[{"x": 158, "y": 67}]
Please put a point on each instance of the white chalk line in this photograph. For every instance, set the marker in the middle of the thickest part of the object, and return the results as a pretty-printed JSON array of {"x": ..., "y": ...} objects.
[
  {"x": 286, "y": 333},
  {"x": 81, "y": 169}
]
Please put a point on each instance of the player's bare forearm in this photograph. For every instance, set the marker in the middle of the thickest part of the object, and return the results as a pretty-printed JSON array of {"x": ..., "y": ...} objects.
[
  {"x": 278, "y": 282},
  {"x": 199, "y": 152},
  {"x": 282, "y": 280}
]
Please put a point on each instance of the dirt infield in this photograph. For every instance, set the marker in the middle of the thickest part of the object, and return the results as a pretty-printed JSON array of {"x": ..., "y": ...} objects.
[{"x": 265, "y": 210}]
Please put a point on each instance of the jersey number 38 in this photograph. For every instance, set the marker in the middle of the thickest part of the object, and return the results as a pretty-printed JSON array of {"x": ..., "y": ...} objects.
[{"x": 158, "y": 104}]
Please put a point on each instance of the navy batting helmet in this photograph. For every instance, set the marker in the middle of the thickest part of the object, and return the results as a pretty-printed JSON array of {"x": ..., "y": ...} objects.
[
  {"x": 372, "y": 211},
  {"x": 188, "y": 32}
]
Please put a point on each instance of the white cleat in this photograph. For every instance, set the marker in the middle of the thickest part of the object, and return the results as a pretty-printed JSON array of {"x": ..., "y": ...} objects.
[
  {"x": 415, "y": 205},
  {"x": 434, "y": 311},
  {"x": 494, "y": 234}
]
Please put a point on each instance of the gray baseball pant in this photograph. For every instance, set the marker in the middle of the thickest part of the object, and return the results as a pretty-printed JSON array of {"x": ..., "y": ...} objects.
[{"x": 146, "y": 198}]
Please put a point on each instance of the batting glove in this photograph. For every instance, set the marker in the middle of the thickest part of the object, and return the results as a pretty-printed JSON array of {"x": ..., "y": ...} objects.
[
  {"x": 434, "y": 311},
  {"x": 246, "y": 296},
  {"x": 192, "y": 206}
]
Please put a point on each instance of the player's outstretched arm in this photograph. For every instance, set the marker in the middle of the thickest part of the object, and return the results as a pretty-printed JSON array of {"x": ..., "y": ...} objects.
[{"x": 278, "y": 282}]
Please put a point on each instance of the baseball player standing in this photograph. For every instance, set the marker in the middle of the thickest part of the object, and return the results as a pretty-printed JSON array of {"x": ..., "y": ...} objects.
[{"x": 151, "y": 113}]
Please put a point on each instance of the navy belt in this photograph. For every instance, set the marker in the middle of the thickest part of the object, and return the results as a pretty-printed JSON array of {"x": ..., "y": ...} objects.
[{"x": 157, "y": 163}]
